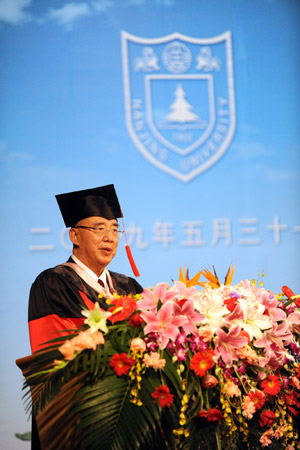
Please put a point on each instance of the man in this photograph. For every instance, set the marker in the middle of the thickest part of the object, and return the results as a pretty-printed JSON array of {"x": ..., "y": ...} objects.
[{"x": 58, "y": 295}]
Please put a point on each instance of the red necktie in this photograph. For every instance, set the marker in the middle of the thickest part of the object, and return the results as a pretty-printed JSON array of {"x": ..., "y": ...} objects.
[{"x": 100, "y": 282}]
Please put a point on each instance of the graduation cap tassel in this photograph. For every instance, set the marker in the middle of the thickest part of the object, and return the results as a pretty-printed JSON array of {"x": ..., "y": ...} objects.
[
  {"x": 131, "y": 260},
  {"x": 129, "y": 254}
]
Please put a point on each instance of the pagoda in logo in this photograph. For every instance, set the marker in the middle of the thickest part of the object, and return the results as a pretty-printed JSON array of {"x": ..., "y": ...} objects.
[{"x": 181, "y": 109}]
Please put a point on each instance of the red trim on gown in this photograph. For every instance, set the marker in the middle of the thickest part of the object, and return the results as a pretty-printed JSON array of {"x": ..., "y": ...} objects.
[{"x": 50, "y": 327}]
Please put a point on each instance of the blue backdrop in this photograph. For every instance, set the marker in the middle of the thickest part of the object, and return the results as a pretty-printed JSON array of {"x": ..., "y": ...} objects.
[{"x": 191, "y": 108}]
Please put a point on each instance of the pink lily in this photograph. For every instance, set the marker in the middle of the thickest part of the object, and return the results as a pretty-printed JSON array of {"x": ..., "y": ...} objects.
[
  {"x": 293, "y": 321},
  {"x": 277, "y": 335},
  {"x": 272, "y": 361},
  {"x": 227, "y": 343},
  {"x": 183, "y": 291},
  {"x": 193, "y": 317},
  {"x": 164, "y": 323},
  {"x": 150, "y": 297},
  {"x": 271, "y": 304}
]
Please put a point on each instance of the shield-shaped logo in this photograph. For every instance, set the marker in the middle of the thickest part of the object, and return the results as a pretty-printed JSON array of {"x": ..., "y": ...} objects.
[{"x": 179, "y": 99}]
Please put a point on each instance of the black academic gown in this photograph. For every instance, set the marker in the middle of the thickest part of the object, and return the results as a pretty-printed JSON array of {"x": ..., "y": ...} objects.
[{"x": 56, "y": 300}]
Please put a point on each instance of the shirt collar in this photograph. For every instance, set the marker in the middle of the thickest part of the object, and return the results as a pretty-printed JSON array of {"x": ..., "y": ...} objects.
[{"x": 103, "y": 276}]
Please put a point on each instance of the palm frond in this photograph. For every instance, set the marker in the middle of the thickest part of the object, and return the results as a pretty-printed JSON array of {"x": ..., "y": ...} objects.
[{"x": 93, "y": 403}]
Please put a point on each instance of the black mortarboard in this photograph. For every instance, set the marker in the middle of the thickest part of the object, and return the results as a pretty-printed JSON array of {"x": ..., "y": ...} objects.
[{"x": 101, "y": 201}]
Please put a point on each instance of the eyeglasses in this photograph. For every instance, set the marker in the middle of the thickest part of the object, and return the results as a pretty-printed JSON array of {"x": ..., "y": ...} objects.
[{"x": 101, "y": 231}]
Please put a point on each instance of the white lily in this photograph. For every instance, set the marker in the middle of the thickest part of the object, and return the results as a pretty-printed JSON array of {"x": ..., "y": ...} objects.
[
  {"x": 210, "y": 303},
  {"x": 255, "y": 321},
  {"x": 96, "y": 318}
]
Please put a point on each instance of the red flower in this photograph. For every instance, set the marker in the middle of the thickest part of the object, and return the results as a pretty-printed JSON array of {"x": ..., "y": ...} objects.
[
  {"x": 125, "y": 306},
  {"x": 293, "y": 410},
  {"x": 163, "y": 395},
  {"x": 136, "y": 320},
  {"x": 271, "y": 385},
  {"x": 291, "y": 400},
  {"x": 230, "y": 303},
  {"x": 181, "y": 302},
  {"x": 202, "y": 361},
  {"x": 257, "y": 397},
  {"x": 267, "y": 418},
  {"x": 211, "y": 415},
  {"x": 289, "y": 293},
  {"x": 246, "y": 335},
  {"x": 121, "y": 363}
]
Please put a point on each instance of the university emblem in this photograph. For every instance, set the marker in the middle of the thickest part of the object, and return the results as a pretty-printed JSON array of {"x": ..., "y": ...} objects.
[{"x": 179, "y": 99}]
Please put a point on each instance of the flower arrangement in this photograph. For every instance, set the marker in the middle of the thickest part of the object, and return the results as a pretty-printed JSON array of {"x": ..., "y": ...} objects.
[{"x": 194, "y": 365}]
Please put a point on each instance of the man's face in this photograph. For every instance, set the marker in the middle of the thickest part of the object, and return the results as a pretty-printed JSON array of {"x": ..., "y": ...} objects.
[{"x": 95, "y": 248}]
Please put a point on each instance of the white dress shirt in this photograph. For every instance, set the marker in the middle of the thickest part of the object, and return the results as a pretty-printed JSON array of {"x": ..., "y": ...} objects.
[{"x": 104, "y": 277}]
